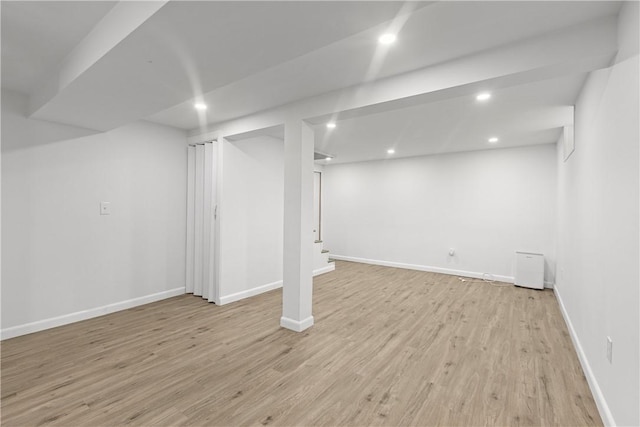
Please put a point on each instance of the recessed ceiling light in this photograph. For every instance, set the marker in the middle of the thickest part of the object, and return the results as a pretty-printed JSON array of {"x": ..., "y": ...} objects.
[
  {"x": 331, "y": 125},
  {"x": 328, "y": 158},
  {"x": 391, "y": 151},
  {"x": 483, "y": 96},
  {"x": 387, "y": 38},
  {"x": 200, "y": 106},
  {"x": 493, "y": 140}
]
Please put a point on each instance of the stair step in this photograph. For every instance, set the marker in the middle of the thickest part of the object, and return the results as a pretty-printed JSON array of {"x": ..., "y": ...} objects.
[{"x": 325, "y": 251}]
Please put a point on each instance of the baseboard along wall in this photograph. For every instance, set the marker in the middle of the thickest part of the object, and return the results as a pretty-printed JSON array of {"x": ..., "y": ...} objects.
[
  {"x": 53, "y": 322},
  {"x": 451, "y": 272},
  {"x": 65, "y": 319},
  {"x": 266, "y": 288},
  {"x": 598, "y": 396}
]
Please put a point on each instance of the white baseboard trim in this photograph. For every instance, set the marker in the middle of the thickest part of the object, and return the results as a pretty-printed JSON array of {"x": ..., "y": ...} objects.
[
  {"x": 451, "y": 272},
  {"x": 296, "y": 325},
  {"x": 418, "y": 267},
  {"x": 330, "y": 267},
  {"x": 601, "y": 403},
  {"x": 266, "y": 288},
  {"x": 53, "y": 322},
  {"x": 250, "y": 292}
]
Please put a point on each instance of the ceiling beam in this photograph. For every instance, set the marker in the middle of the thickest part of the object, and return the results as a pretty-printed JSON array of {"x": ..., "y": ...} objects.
[
  {"x": 122, "y": 20},
  {"x": 581, "y": 48}
]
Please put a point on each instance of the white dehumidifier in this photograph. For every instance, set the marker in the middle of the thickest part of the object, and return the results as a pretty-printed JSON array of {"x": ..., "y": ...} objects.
[{"x": 529, "y": 270}]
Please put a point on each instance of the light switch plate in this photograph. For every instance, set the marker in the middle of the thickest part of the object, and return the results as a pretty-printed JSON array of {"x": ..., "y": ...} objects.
[{"x": 105, "y": 208}]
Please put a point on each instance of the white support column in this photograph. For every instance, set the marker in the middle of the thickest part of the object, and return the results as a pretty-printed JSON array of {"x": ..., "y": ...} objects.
[{"x": 298, "y": 226}]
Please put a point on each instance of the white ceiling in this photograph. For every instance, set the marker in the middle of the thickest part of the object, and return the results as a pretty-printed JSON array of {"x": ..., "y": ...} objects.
[
  {"x": 246, "y": 57},
  {"x": 433, "y": 34},
  {"x": 38, "y": 35},
  {"x": 189, "y": 48},
  {"x": 520, "y": 115}
]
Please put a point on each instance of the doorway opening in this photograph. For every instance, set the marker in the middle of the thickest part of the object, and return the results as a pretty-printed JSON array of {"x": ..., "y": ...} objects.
[{"x": 317, "y": 206}]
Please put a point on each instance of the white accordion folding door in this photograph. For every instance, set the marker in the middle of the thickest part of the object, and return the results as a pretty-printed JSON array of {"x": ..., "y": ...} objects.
[{"x": 201, "y": 217}]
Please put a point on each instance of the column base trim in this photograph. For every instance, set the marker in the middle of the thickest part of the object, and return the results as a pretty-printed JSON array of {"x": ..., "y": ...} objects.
[{"x": 295, "y": 325}]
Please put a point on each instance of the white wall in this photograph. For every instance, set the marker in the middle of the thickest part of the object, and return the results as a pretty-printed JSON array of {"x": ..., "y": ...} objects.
[
  {"x": 62, "y": 261},
  {"x": 598, "y": 254},
  {"x": 409, "y": 212},
  {"x": 251, "y": 217}
]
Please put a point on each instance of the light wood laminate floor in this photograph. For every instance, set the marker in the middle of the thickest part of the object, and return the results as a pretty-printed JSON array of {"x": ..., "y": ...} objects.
[{"x": 389, "y": 347}]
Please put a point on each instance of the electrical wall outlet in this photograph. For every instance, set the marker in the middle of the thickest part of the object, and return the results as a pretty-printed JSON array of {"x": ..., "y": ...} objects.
[
  {"x": 105, "y": 208},
  {"x": 609, "y": 350}
]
